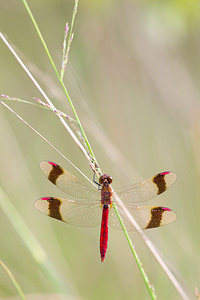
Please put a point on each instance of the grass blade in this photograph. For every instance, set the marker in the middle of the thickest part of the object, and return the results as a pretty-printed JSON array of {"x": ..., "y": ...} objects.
[{"x": 14, "y": 281}]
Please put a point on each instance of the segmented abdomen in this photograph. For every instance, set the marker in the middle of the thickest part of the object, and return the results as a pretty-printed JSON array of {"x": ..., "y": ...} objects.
[{"x": 104, "y": 232}]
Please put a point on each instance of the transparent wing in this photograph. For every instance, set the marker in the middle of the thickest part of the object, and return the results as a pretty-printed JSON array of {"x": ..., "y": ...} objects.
[
  {"x": 145, "y": 216},
  {"x": 71, "y": 211},
  {"x": 68, "y": 183},
  {"x": 146, "y": 189}
]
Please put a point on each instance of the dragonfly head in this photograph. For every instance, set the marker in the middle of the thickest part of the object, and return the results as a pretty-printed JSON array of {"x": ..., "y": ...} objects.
[{"x": 105, "y": 178}]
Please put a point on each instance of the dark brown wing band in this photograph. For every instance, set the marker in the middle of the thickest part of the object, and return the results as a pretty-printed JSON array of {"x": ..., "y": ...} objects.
[
  {"x": 156, "y": 217},
  {"x": 56, "y": 171},
  {"x": 54, "y": 208},
  {"x": 159, "y": 180}
]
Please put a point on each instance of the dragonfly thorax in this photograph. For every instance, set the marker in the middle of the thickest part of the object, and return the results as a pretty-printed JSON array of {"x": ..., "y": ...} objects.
[
  {"x": 105, "y": 178},
  {"x": 106, "y": 191}
]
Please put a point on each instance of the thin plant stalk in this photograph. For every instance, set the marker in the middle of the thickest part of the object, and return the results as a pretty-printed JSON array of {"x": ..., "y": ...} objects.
[
  {"x": 140, "y": 266},
  {"x": 51, "y": 145},
  {"x": 45, "y": 96},
  {"x": 151, "y": 247},
  {"x": 57, "y": 73},
  {"x": 70, "y": 38},
  {"x": 13, "y": 280},
  {"x": 39, "y": 104},
  {"x": 65, "y": 48}
]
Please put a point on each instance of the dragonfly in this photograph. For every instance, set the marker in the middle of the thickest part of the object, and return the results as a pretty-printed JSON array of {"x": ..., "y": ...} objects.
[{"x": 91, "y": 206}]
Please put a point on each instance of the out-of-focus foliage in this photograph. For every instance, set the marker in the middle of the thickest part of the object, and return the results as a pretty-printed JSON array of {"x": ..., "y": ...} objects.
[
  {"x": 187, "y": 10},
  {"x": 172, "y": 20}
]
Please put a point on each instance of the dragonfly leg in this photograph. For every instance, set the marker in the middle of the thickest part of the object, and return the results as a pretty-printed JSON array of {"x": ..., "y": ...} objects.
[{"x": 96, "y": 181}]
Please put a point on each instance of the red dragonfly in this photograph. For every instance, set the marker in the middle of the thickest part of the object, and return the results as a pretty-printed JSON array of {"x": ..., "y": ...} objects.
[{"x": 88, "y": 208}]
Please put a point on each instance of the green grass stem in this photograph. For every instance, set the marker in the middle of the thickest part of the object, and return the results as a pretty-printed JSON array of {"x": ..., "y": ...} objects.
[
  {"x": 13, "y": 280},
  {"x": 144, "y": 275}
]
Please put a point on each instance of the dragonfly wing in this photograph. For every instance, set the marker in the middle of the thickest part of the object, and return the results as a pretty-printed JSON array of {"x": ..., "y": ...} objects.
[
  {"x": 147, "y": 189},
  {"x": 68, "y": 183},
  {"x": 145, "y": 216},
  {"x": 71, "y": 211}
]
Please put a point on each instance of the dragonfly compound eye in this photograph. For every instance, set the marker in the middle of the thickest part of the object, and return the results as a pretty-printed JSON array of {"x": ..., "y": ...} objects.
[{"x": 104, "y": 178}]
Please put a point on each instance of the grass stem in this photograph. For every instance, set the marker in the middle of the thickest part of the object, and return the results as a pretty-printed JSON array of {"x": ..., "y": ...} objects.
[{"x": 13, "y": 280}]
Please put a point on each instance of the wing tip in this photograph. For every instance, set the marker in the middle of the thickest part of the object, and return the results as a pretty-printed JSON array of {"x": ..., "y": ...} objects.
[
  {"x": 170, "y": 177},
  {"x": 169, "y": 214},
  {"x": 46, "y": 163},
  {"x": 39, "y": 205}
]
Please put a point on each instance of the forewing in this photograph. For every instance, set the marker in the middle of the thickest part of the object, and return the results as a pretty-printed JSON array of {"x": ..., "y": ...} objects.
[
  {"x": 71, "y": 211},
  {"x": 146, "y": 189},
  {"x": 145, "y": 216},
  {"x": 68, "y": 183}
]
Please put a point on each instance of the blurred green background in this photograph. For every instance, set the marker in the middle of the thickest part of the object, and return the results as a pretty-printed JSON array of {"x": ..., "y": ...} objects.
[{"x": 133, "y": 76}]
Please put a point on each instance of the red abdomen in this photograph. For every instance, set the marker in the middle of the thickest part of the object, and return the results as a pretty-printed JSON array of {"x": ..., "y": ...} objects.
[{"x": 104, "y": 232}]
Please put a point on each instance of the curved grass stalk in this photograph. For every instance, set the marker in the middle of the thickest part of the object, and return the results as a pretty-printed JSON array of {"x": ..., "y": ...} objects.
[{"x": 13, "y": 280}]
